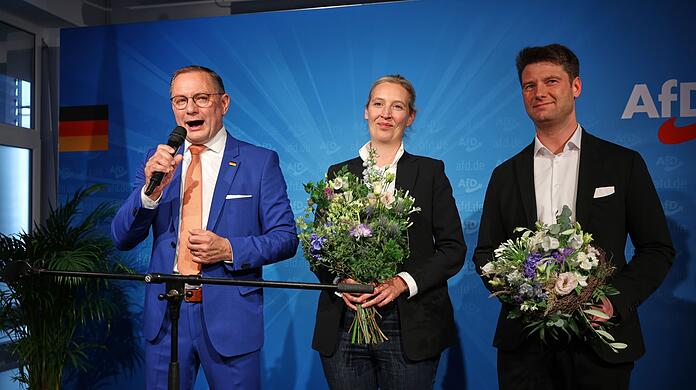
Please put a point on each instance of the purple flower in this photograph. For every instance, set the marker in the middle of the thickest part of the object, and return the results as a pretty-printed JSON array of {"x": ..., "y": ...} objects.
[
  {"x": 561, "y": 255},
  {"x": 316, "y": 243},
  {"x": 369, "y": 210},
  {"x": 361, "y": 230},
  {"x": 532, "y": 291},
  {"x": 526, "y": 290},
  {"x": 329, "y": 193},
  {"x": 539, "y": 293},
  {"x": 558, "y": 256},
  {"x": 530, "y": 265}
]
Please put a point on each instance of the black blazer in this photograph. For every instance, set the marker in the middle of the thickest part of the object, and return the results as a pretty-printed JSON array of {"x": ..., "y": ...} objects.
[
  {"x": 633, "y": 209},
  {"x": 437, "y": 250}
]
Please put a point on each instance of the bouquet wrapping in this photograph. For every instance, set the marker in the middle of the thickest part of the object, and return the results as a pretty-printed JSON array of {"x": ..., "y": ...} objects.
[
  {"x": 356, "y": 228},
  {"x": 555, "y": 281}
]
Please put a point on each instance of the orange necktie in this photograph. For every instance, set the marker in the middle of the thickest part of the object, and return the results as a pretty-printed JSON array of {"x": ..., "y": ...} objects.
[{"x": 191, "y": 211}]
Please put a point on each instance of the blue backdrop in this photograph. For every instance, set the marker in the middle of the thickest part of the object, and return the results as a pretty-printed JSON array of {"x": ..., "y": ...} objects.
[{"x": 299, "y": 81}]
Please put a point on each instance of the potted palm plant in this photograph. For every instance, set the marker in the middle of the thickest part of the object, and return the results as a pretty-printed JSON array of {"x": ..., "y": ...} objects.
[{"x": 52, "y": 321}]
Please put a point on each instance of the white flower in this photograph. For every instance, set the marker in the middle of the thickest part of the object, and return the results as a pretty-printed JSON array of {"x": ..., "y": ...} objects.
[
  {"x": 338, "y": 183},
  {"x": 488, "y": 268},
  {"x": 582, "y": 279},
  {"x": 587, "y": 261},
  {"x": 377, "y": 188},
  {"x": 526, "y": 307},
  {"x": 581, "y": 256},
  {"x": 535, "y": 241},
  {"x": 549, "y": 243},
  {"x": 348, "y": 196},
  {"x": 514, "y": 277},
  {"x": 593, "y": 254},
  {"x": 575, "y": 241},
  {"x": 387, "y": 199},
  {"x": 565, "y": 283},
  {"x": 586, "y": 264}
]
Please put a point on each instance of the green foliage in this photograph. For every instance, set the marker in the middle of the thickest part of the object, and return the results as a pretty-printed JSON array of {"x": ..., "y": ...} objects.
[
  {"x": 49, "y": 318},
  {"x": 356, "y": 228},
  {"x": 555, "y": 281},
  {"x": 340, "y": 209}
]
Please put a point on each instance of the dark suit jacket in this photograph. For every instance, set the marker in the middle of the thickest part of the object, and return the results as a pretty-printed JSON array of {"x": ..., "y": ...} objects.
[
  {"x": 257, "y": 220},
  {"x": 634, "y": 209},
  {"x": 437, "y": 249}
]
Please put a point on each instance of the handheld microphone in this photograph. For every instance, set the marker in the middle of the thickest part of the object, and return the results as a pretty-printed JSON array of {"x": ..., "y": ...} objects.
[{"x": 176, "y": 139}]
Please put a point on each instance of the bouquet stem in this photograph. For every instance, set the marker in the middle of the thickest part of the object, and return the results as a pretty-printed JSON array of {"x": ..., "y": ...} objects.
[{"x": 364, "y": 329}]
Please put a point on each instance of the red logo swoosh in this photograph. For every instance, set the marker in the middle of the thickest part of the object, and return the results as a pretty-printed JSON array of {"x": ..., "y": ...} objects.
[{"x": 669, "y": 133}]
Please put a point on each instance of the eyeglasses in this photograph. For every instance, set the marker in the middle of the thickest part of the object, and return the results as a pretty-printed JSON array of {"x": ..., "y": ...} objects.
[{"x": 201, "y": 100}]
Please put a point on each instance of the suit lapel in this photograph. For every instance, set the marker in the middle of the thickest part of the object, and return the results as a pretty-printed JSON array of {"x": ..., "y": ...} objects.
[
  {"x": 406, "y": 172},
  {"x": 224, "y": 180},
  {"x": 355, "y": 167},
  {"x": 590, "y": 168},
  {"x": 524, "y": 170}
]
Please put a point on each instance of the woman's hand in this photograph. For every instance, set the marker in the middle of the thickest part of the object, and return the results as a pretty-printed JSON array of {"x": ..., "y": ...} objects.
[
  {"x": 352, "y": 299},
  {"x": 386, "y": 292}
]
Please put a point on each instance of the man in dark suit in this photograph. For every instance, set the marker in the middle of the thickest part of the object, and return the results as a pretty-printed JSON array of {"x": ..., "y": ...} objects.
[
  {"x": 221, "y": 211},
  {"x": 609, "y": 189}
]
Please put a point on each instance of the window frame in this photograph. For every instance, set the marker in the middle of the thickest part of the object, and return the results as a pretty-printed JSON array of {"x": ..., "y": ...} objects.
[{"x": 28, "y": 138}]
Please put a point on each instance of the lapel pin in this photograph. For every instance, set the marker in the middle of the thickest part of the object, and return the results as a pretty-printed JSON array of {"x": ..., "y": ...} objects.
[{"x": 233, "y": 163}]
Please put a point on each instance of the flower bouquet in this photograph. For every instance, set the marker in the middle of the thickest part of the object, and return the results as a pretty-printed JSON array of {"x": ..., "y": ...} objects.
[
  {"x": 555, "y": 281},
  {"x": 355, "y": 228}
]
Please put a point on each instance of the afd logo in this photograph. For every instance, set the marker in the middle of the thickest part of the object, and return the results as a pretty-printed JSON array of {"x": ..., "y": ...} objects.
[
  {"x": 469, "y": 185},
  {"x": 669, "y": 163},
  {"x": 470, "y": 226},
  {"x": 641, "y": 101}
]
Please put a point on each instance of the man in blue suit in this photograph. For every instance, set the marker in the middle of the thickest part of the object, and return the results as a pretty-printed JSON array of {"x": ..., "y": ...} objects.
[{"x": 241, "y": 221}]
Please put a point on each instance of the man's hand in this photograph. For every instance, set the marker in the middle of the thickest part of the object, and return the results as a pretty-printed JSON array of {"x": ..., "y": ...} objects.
[
  {"x": 387, "y": 292},
  {"x": 352, "y": 299},
  {"x": 161, "y": 161},
  {"x": 208, "y": 248}
]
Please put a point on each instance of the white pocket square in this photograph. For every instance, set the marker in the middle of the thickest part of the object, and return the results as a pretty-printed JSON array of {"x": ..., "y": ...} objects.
[
  {"x": 235, "y": 196},
  {"x": 601, "y": 192}
]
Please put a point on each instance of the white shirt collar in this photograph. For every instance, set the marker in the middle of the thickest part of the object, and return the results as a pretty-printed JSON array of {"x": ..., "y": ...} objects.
[
  {"x": 364, "y": 153},
  {"x": 572, "y": 144},
  {"x": 215, "y": 144}
]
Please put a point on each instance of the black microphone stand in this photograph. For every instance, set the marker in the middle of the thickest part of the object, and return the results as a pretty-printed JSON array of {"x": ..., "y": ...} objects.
[{"x": 174, "y": 285}]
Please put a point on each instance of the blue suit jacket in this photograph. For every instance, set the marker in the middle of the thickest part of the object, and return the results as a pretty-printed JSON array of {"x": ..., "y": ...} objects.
[{"x": 260, "y": 228}]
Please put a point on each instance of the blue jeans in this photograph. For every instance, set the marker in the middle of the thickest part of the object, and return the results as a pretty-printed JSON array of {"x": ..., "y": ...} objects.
[{"x": 383, "y": 366}]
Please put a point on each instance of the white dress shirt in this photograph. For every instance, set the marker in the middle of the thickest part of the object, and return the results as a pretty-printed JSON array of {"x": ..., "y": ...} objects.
[
  {"x": 211, "y": 158},
  {"x": 391, "y": 168},
  {"x": 556, "y": 178}
]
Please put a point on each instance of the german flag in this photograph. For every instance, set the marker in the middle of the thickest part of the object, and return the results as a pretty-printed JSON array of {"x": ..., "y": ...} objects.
[{"x": 83, "y": 128}]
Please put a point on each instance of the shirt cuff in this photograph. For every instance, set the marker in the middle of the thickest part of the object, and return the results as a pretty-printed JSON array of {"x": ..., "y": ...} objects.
[
  {"x": 335, "y": 281},
  {"x": 231, "y": 260},
  {"x": 410, "y": 282},
  {"x": 147, "y": 202}
]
